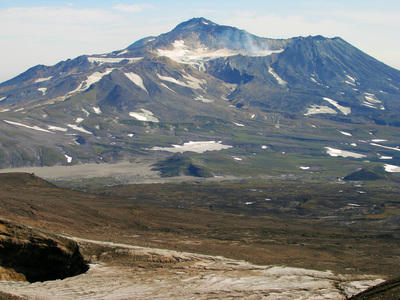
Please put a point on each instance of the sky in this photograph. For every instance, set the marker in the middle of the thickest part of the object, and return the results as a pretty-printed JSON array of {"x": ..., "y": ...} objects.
[{"x": 47, "y": 32}]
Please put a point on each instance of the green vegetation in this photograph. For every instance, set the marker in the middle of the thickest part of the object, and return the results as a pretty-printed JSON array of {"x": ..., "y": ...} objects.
[
  {"x": 50, "y": 157},
  {"x": 181, "y": 164}
]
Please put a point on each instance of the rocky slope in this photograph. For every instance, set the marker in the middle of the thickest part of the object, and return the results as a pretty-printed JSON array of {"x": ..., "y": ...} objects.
[{"x": 26, "y": 254}]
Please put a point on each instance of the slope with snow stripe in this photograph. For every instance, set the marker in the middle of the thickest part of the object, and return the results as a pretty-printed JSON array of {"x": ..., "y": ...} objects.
[
  {"x": 91, "y": 79},
  {"x": 136, "y": 79}
]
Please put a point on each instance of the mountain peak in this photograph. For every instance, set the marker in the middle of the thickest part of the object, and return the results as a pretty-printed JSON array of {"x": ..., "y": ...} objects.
[{"x": 194, "y": 22}]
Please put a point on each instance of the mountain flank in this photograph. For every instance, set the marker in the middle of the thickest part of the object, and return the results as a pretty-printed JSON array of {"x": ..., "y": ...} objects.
[{"x": 201, "y": 82}]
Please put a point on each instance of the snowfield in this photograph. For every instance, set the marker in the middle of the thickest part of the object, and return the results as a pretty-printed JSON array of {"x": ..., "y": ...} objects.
[
  {"x": 336, "y": 152},
  {"x": 145, "y": 115},
  {"x": 182, "y": 53},
  {"x": 318, "y": 109},
  {"x": 198, "y": 147},
  {"x": 344, "y": 110}
]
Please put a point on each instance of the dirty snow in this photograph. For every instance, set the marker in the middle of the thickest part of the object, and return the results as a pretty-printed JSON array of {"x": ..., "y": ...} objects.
[
  {"x": 37, "y": 128},
  {"x": 145, "y": 115},
  {"x": 344, "y": 110},
  {"x": 136, "y": 79},
  {"x": 79, "y": 120},
  {"x": 319, "y": 109},
  {"x": 97, "y": 110},
  {"x": 91, "y": 79},
  {"x": 198, "y": 147},
  {"x": 238, "y": 124},
  {"x": 195, "y": 277},
  {"x": 279, "y": 79},
  {"x": 112, "y": 60},
  {"x": 343, "y": 153},
  {"x": 202, "y": 99}
]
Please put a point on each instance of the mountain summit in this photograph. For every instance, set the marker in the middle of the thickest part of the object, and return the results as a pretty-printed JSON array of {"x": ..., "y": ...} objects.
[{"x": 185, "y": 84}]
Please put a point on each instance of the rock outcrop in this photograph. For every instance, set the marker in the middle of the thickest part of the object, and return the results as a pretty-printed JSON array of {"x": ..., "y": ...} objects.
[{"x": 27, "y": 254}]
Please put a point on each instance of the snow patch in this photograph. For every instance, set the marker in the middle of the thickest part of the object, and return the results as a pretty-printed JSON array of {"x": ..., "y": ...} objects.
[
  {"x": 69, "y": 158},
  {"x": 392, "y": 168},
  {"x": 192, "y": 82},
  {"x": 27, "y": 126},
  {"x": 198, "y": 147},
  {"x": 79, "y": 120},
  {"x": 145, "y": 115},
  {"x": 386, "y": 147},
  {"x": 336, "y": 152},
  {"x": 2, "y": 98},
  {"x": 385, "y": 157},
  {"x": 372, "y": 101},
  {"x": 43, "y": 79},
  {"x": 202, "y": 99},
  {"x": 97, "y": 110},
  {"x": 238, "y": 124},
  {"x": 43, "y": 90},
  {"x": 57, "y": 128},
  {"x": 167, "y": 87},
  {"x": 95, "y": 77},
  {"x": 77, "y": 128},
  {"x": 304, "y": 167},
  {"x": 279, "y": 79},
  {"x": 344, "y": 110},
  {"x": 112, "y": 60},
  {"x": 122, "y": 52},
  {"x": 345, "y": 133},
  {"x": 318, "y": 109},
  {"x": 136, "y": 79}
]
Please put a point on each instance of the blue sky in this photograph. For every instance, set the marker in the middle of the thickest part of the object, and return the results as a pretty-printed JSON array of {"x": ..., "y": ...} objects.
[{"x": 46, "y": 32}]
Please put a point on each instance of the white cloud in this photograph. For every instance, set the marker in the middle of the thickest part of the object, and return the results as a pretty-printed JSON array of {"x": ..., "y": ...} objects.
[{"x": 133, "y": 8}]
